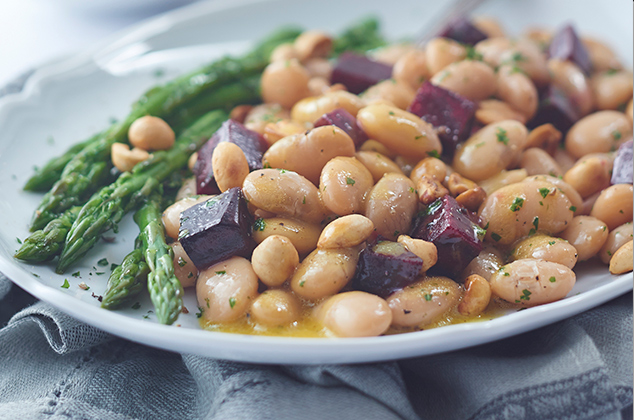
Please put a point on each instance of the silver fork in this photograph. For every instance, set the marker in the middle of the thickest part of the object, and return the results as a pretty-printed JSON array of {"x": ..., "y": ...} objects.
[{"x": 456, "y": 9}]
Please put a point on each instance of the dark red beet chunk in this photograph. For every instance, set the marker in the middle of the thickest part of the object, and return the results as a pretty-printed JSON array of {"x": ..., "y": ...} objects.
[
  {"x": 462, "y": 30},
  {"x": 218, "y": 229},
  {"x": 347, "y": 122},
  {"x": 555, "y": 108},
  {"x": 251, "y": 143},
  {"x": 451, "y": 114},
  {"x": 623, "y": 171},
  {"x": 450, "y": 227},
  {"x": 566, "y": 45},
  {"x": 386, "y": 267},
  {"x": 358, "y": 72}
]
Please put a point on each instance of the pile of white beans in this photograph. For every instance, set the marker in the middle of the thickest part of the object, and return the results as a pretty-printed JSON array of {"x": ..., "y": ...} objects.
[{"x": 546, "y": 202}]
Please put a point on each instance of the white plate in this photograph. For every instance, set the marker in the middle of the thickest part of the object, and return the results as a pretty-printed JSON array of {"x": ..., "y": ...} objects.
[{"x": 69, "y": 100}]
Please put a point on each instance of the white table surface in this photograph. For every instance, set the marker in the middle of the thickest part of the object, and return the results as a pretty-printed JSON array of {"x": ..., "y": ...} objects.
[{"x": 35, "y": 31}]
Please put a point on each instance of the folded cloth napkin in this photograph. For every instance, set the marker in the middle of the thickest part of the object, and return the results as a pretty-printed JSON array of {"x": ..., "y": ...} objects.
[{"x": 52, "y": 366}]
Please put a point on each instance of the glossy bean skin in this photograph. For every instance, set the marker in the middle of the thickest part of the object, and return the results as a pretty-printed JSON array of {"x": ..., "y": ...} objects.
[
  {"x": 312, "y": 108},
  {"x": 411, "y": 69},
  {"x": 397, "y": 93},
  {"x": 440, "y": 52},
  {"x": 503, "y": 179},
  {"x": 390, "y": 54},
  {"x": 546, "y": 248},
  {"x": 601, "y": 56},
  {"x": 517, "y": 90},
  {"x": 476, "y": 297},
  {"x": 472, "y": 79},
  {"x": 324, "y": 272},
  {"x": 399, "y": 130},
  {"x": 284, "y": 193},
  {"x": 523, "y": 208},
  {"x": 344, "y": 185},
  {"x": 188, "y": 189},
  {"x": 285, "y": 83},
  {"x": 564, "y": 159},
  {"x": 312, "y": 44},
  {"x": 230, "y": 165},
  {"x": 588, "y": 176},
  {"x": 307, "y": 154},
  {"x": 600, "y": 132},
  {"x": 567, "y": 76},
  {"x": 531, "y": 282},
  {"x": 492, "y": 110},
  {"x": 614, "y": 205},
  {"x": 617, "y": 237},
  {"x": 184, "y": 269},
  {"x": 563, "y": 186},
  {"x": 522, "y": 53},
  {"x": 377, "y": 163},
  {"x": 611, "y": 90},
  {"x": 274, "y": 260},
  {"x": 490, "y": 150},
  {"x": 151, "y": 133},
  {"x": 226, "y": 290},
  {"x": 303, "y": 235},
  {"x": 391, "y": 205},
  {"x": 171, "y": 217},
  {"x": 345, "y": 232},
  {"x": 587, "y": 234},
  {"x": 537, "y": 161},
  {"x": 355, "y": 314},
  {"x": 490, "y": 26},
  {"x": 261, "y": 115},
  {"x": 423, "y": 302},
  {"x": 488, "y": 261},
  {"x": 275, "y": 307}
]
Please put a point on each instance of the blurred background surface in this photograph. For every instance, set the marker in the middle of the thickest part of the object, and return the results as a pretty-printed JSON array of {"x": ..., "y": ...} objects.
[{"x": 33, "y": 32}]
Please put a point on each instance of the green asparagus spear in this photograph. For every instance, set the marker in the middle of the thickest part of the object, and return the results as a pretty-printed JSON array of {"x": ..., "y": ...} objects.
[
  {"x": 106, "y": 208},
  {"x": 78, "y": 180},
  {"x": 44, "y": 178},
  {"x": 166, "y": 292},
  {"x": 360, "y": 38},
  {"x": 45, "y": 244},
  {"x": 126, "y": 280}
]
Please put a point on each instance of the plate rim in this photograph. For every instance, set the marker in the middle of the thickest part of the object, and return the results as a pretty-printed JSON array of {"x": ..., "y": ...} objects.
[{"x": 348, "y": 350}]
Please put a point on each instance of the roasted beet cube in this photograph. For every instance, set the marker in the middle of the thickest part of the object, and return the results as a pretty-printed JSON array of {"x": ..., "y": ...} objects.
[
  {"x": 623, "y": 171},
  {"x": 451, "y": 114},
  {"x": 251, "y": 143},
  {"x": 347, "y": 122},
  {"x": 462, "y": 30},
  {"x": 217, "y": 229},
  {"x": 386, "y": 267},
  {"x": 357, "y": 72},
  {"x": 451, "y": 228},
  {"x": 556, "y": 108},
  {"x": 567, "y": 46}
]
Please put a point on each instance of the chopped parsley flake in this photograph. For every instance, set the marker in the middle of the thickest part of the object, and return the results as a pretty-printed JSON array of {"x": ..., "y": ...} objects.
[
  {"x": 411, "y": 189},
  {"x": 207, "y": 302},
  {"x": 552, "y": 279},
  {"x": 525, "y": 295},
  {"x": 428, "y": 297},
  {"x": 434, "y": 154},
  {"x": 232, "y": 302},
  {"x": 304, "y": 200},
  {"x": 350, "y": 181},
  {"x": 183, "y": 233},
  {"x": 103, "y": 262},
  {"x": 502, "y": 136},
  {"x": 76, "y": 274},
  {"x": 391, "y": 113},
  {"x": 136, "y": 305},
  {"x": 472, "y": 54},
  {"x": 200, "y": 312},
  {"x": 181, "y": 262},
  {"x": 259, "y": 225},
  {"x": 66, "y": 284},
  {"x": 301, "y": 283},
  {"x": 517, "y": 204},
  {"x": 616, "y": 135},
  {"x": 551, "y": 243},
  {"x": 19, "y": 241},
  {"x": 544, "y": 192},
  {"x": 572, "y": 208},
  {"x": 220, "y": 273},
  {"x": 495, "y": 236},
  {"x": 536, "y": 223}
]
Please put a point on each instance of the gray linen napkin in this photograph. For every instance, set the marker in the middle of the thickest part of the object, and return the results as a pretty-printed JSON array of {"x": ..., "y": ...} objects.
[
  {"x": 52, "y": 366},
  {"x": 55, "y": 367}
]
